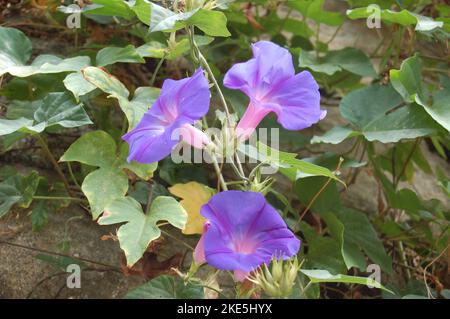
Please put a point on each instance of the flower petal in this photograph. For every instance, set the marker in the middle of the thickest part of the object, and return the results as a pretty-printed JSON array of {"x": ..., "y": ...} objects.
[
  {"x": 270, "y": 65},
  {"x": 244, "y": 238},
  {"x": 190, "y": 96},
  {"x": 296, "y": 102}
]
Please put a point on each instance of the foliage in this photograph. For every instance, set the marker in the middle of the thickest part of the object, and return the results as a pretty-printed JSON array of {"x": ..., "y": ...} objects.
[{"x": 393, "y": 102}]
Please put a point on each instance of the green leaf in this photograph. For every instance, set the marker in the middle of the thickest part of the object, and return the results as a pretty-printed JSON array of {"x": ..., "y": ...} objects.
[
  {"x": 96, "y": 148},
  {"x": 103, "y": 186},
  {"x": 335, "y": 136},
  {"x": 106, "y": 82},
  {"x": 15, "y": 48},
  {"x": 378, "y": 113},
  {"x": 140, "y": 229},
  {"x": 323, "y": 252},
  {"x": 328, "y": 200},
  {"x": 11, "y": 126},
  {"x": 317, "y": 276},
  {"x": 404, "y": 18},
  {"x": 440, "y": 110},
  {"x": 313, "y": 9},
  {"x": 155, "y": 49},
  {"x": 109, "y": 182},
  {"x": 18, "y": 189},
  {"x": 76, "y": 83},
  {"x": 349, "y": 59},
  {"x": 9, "y": 196},
  {"x": 118, "y": 8},
  {"x": 288, "y": 164},
  {"x": 351, "y": 253},
  {"x": 166, "y": 287},
  {"x": 408, "y": 83},
  {"x": 142, "y": 9},
  {"x": 144, "y": 171},
  {"x": 134, "y": 109},
  {"x": 54, "y": 109},
  {"x": 111, "y": 55},
  {"x": 359, "y": 232},
  {"x": 47, "y": 64},
  {"x": 212, "y": 23},
  {"x": 39, "y": 216}
]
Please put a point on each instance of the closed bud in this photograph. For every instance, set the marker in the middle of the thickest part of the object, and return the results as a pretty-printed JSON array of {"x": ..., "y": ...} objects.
[{"x": 278, "y": 281}]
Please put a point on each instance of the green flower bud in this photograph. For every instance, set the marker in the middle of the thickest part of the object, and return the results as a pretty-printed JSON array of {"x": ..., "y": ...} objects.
[{"x": 278, "y": 281}]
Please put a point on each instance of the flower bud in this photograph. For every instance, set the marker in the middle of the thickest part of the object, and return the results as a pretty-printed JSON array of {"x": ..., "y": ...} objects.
[{"x": 278, "y": 281}]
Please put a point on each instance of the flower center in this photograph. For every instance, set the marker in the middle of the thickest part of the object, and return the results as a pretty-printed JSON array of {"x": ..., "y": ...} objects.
[{"x": 244, "y": 246}]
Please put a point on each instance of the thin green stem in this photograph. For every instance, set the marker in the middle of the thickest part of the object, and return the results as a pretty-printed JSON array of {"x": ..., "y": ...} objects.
[
  {"x": 54, "y": 162},
  {"x": 155, "y": 73},
  {"x": 72, "y": 175},
  {"x": 215, "y": 163},
  {"x": 202, "y": 60},
  {"x": 311, "y": 202}
]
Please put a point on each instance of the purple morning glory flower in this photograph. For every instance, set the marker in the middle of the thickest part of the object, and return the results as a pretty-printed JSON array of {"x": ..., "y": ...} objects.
[
  {"x": 171, "y": 118},
  {"x": 243, "y": 232},
  {"x": 270, "y": 82}
]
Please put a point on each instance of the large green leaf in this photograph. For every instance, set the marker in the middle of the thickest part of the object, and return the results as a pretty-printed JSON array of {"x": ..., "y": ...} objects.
[
  {"x": 15, "y": 48},
  {"x": 328, "y": 200},
  {"x": 335, "y": 136},
  {"x": 379, "y": 114},
  {"x": 106, "y": 82},
  {"x": 317, "y": 276},
  {"x": 118, "y": 8},
  {"x": 54, "y": 109},
  {"x": 408, "y": 83},
  {"x": 141, "y": 229},
  {"x": 111, "y": 55},
  {"x": 323, "y": 251},
  {"x": 47, "y": 64},
  {"x": 166, "y": 287},
  {"x": 404, "y": 18},
  {"x": 359, "y": 232},
  {"x": 349, "y": 59},
  {"x": 95, "y": 148},
  {"x": 213, "y": 23},
  {"x": 103, "y": 186},
  {"x": 109, "y": 182},
  {"x": 143, "y": 10},
  {"x": 313, "y": 9},
  {"x": 143, "y": 97}
]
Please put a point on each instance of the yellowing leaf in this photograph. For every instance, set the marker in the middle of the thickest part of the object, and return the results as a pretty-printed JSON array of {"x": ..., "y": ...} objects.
[{"x": 194, "y": 195}]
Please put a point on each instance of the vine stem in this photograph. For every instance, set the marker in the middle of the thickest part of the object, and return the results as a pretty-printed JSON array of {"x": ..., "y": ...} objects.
[
  {"x": 55, "y": 163},
  {"x": 410, "y": 155},
  {"x": 215, "y": 162},
  {"x": 311, "y": 202},
  {"x": 155, "y": 73},
  {"x": 205, "y": 64}
]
